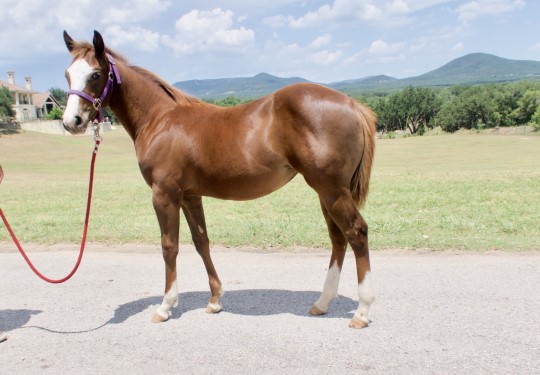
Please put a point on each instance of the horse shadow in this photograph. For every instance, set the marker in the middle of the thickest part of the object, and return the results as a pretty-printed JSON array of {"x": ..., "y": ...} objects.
[
  {"x": 249, "y": 302},
  {"x": 13, "y": 319}
]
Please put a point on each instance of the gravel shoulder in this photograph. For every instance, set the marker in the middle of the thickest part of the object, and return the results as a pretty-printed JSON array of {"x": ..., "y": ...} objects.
[{"x": 435, "y": 312}]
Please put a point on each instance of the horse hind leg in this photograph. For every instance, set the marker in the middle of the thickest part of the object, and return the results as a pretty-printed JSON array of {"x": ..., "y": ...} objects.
[
  {"x": 339, "y": 246},
  {"x": 194, "y": 213},
  {"x": 343, "y": 211}
]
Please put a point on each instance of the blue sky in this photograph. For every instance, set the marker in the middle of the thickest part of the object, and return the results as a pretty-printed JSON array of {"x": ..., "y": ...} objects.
[{"x": 321, "y": 40}]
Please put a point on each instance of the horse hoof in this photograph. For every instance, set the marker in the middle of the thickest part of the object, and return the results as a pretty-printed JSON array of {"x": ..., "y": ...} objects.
[
  {"x": 357, "y": 323},
  {"x": 159, "y": 319},
  {"x": 213, "y": 308},
  {"x": 316, "y": 310}
]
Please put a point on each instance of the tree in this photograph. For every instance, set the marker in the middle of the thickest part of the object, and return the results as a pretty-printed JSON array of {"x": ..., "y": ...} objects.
[
  {"x": 527, "y": 106},
  {"x": 229, "y": 101},
  {"x": 453, "y": 114},
  {"x": 457, "y": 107},
  {"x": 535, "y": 120},
  {"x": 59, "y": 94},
  {"x": 412, "y": 108},
  {"x": 6, "y": 104},
  {"x": 380, "y": 106},
  {"x": 470, "y": 108}
]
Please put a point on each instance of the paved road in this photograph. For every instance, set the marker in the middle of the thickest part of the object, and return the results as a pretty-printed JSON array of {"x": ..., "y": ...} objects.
[{"x": 441, "y": 313}]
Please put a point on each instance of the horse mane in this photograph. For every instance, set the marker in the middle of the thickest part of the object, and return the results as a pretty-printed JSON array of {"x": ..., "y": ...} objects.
[
  {"x": 175, "y": 94},
  {"x": 82, "y": 49}
]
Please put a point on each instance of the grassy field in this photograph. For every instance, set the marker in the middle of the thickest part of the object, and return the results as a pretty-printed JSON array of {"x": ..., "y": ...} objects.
[{"x": 471, "y": 192}]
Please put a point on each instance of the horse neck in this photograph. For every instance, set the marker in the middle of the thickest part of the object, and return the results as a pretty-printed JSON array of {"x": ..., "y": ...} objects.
[{"x": 133, "y": 101}]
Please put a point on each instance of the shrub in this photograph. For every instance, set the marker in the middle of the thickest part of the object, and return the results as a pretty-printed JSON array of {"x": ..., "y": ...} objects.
[{"x": 55, "y": 114}]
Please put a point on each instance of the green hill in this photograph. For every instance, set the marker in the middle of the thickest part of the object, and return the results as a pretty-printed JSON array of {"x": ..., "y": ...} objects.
[
  {"x": 378, "y": 81},
  {"x": 242, "y": 87},
  {"x": 478, "y": 68},
  {"x": 474, "y": 68}
]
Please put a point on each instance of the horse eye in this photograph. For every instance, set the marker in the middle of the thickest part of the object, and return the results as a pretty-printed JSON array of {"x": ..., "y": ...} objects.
[{"x": 95, "y": 76}]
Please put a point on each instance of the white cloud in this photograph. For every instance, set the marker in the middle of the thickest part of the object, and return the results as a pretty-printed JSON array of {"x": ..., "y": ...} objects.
[
  {"x": 398, "y": 6},
  {"x": 382, "y": 52},
  {"x": 391, "y": 12},
  {"x": 382, "y": 48},
  {"x": 131, "y": 12},
  {"x": 137, "y": 37},
  {"x": 292, "y": 59},
  {"x": 233, "y": 37},
  {"x": 34, "y": 27},
  {"x": 340, "y": 10},
  {"x": 457, "y": 48},
  {"x": 30, "y": 27},
  {"x": 201, "y": 30},
  {"x": 326, "y": 57},
  {"x": 474, "y": 9},
  {"x": 413, "y": 5},
  {"x": 276, "y": 49},
  {"x": 321, "y": 41},
  {"x": 199, "y": 22},
  {"x": 276, "y": 21}
]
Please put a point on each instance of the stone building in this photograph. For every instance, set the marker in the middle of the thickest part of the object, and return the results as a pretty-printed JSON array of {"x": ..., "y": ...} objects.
[{"x": 28, "y": 104}]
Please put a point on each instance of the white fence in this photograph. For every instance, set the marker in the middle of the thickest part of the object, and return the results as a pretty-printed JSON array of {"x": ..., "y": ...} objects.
[{"x": 56, "y": 127}]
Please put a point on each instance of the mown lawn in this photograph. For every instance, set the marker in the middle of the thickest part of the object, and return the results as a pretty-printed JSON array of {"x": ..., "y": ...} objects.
[{"x": 470, "y": 192}]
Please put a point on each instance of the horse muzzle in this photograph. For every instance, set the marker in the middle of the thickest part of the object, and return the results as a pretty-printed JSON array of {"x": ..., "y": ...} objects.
[{"x": 75, "y": 125}]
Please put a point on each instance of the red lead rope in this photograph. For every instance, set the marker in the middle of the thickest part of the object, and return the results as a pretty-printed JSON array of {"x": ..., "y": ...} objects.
[{"x": 85, "y": 229}]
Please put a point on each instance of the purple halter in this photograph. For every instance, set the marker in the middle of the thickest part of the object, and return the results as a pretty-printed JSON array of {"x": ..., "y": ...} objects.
[{"x": 96, "y": 102}]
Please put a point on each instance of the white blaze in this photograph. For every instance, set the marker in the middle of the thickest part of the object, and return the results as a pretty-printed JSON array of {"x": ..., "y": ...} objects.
[{"x": 78, "y": 72}]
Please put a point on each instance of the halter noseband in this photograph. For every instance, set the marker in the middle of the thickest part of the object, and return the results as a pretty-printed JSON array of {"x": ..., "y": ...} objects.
[{"x": 96, "y": 102}]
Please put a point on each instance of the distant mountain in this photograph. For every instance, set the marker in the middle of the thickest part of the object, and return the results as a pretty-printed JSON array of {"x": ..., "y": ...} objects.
[
  {"x": 478, "y": 68},
  {"x": 379, "y": 81},
  {"x": 243, "y": 87},
  {"x": 474, "y": 68}
]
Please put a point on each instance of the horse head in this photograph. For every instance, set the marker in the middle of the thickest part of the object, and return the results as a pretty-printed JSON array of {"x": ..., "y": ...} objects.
[{"x": 90, "y": 78}]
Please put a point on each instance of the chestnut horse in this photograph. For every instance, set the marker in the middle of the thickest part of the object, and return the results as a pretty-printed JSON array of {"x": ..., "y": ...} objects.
[{"x": 187, "y": 149}]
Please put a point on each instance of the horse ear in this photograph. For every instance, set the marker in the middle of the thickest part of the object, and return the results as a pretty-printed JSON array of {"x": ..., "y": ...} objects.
[
  {"x": 99, "y": 45},
  {"x": 70, "y": 43}
]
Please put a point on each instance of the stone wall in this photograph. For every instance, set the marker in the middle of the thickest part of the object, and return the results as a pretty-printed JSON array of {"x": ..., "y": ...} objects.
[{"x": 56, "y": 127}]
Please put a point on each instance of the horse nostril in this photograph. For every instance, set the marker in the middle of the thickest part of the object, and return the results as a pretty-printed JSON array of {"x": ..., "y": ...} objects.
[{"x": 78, "y": 120}]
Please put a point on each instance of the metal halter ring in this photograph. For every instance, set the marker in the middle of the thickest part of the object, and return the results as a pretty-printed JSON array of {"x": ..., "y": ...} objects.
[{"x": 97, "y": 104}]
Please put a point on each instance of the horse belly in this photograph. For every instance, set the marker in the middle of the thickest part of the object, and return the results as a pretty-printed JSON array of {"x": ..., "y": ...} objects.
[{"x": 245, "y": 186}]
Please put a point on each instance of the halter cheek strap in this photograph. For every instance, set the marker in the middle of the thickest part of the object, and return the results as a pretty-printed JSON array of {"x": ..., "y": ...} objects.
[{"x": 97, "y": 102}]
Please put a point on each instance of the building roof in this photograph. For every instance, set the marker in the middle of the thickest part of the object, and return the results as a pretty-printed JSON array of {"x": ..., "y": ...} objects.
[
  {"x": 15, "y": 88},
  {"x": 39, "y": 98}
]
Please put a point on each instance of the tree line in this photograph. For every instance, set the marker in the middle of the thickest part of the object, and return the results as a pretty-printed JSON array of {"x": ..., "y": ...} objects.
[{"x": 418, "y": 109}]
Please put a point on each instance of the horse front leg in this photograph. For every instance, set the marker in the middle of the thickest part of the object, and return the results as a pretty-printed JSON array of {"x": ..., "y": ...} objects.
[
  {"x": 168, "y": 214},
  {"x": 194, "y": 213}
]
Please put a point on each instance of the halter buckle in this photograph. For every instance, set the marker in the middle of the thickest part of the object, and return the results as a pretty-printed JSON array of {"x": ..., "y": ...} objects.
[{"x": 97, "y": 104}]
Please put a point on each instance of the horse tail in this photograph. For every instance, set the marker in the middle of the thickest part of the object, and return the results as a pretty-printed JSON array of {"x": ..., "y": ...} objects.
[{"x": 361, "y": 176}]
